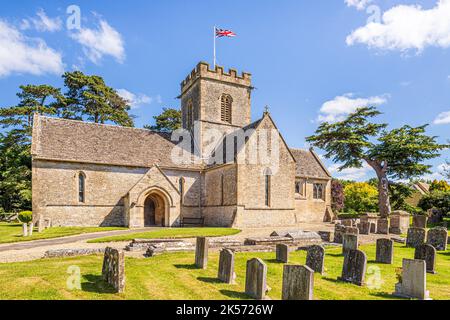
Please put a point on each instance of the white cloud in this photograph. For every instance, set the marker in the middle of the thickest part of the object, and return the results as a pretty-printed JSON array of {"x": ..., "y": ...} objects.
[
  {"x": 358, "y": 4},
  {"x": 405, "y": 27},
  {"x": 19, "y": 54},
  {"x": 42, "y": 23},
  {"x": 103, "y": 41},
  {"x": 356, "y": 174},
  {"x": 337, "y": 109},
  {"x": 137, "y": 100},
  {"x": 442, "y": 118}
]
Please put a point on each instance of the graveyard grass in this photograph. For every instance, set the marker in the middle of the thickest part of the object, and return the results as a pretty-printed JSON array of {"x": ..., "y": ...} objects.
[
  {"x": 173, "y": 276},
  {"x": 12, "y": 232},
  {"x": 168, "y": 233}
]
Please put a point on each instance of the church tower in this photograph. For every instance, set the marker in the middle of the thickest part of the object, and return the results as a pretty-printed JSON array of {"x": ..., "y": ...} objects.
[{"x": 214, "y": 99}]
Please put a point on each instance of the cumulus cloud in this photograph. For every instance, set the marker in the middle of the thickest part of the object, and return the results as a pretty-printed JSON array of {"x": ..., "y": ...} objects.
[
  {"x": 102, "y": 41},
  {"x": 442, "y": 118},
  {"x": 338, "y": 108},
  {"x": 19, "y": 54},
  {"x": 137, "y": 100},
  {"x": 358, "y": 4},
  {"x": 42, "y": 23},
  {"x": 405, "y": 27},
  {"x": 355, "y": 174}
]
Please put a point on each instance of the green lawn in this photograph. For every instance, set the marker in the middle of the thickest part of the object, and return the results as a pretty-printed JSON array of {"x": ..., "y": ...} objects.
[
  {"x": 174, "y": 233},
  {"x": 12, "y": 232},
  {"x": 173, "y": 276}
]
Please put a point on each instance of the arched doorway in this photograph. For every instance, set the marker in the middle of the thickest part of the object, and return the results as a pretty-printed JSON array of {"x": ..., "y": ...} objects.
[{"x": 154, "y": 210}]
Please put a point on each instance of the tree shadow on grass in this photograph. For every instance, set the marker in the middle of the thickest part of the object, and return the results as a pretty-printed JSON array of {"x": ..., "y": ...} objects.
[
  {"x": 235, "y": 294},
  {"x": 386, "y": 295},
  {"x": 333, "y": 280},
  {"x": 209, "y": 280},
  {"x": 273, "y": 261},
  {"x": 96, "y": 284},
  {"x": 186, "y": 266},
  {"x": 335, "y": 254}
]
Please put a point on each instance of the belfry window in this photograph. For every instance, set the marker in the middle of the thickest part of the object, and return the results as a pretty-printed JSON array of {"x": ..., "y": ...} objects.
[
  {"x": 190, "y": 115},
  {"x": 226, "y": 103},
  {"x": 81, "y": 187}
]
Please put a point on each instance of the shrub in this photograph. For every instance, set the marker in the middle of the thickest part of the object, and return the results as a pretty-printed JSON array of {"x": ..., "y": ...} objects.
[
  {"x": 439, "y": 185},
  {"x": 337, "y": 196},
  {"x": 26, "y": 216},
  {"x": 360, "y": 197},
  {"x": 437, "y": 199}
]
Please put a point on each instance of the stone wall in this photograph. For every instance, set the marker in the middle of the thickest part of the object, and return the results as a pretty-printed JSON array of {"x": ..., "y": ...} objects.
[{"x": 309, "y": 209}]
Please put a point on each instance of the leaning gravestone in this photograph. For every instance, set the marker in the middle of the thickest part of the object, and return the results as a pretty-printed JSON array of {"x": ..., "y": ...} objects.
[
  {"x": 427, "y": 253},
  {"x": 413, "y": 283},
  {"x": 255, "y": 279},
  {"x": 383, "y": 226},
  {"x": 282, "y": 253},
  {"x": 315, "y": 258},
  {"x": 113, "y": 270},
  {"x": 354, "y": 268},
  {"x": 226, "y": 266},
  {"x": 415, "y": 237},
  {"x": 438, "y": 237},
  {"x": 350, "y": 242},
  {"x": 201, "y": 252},
  {"x": 298, "y": 283},
  {"x": 385, "y": 251},
  {"x": 420, "y": 221}
]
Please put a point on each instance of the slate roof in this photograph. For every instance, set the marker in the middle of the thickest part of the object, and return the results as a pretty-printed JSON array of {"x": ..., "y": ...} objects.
[{"x": 309, "y": 164}]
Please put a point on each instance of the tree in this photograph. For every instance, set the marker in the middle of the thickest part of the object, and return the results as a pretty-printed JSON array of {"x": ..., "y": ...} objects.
[
  {"x": 360, "y": 197},
  {"x": 337, "y": 196},
  {"x": 89, "y": 96},
  {"x": 169, "y": 120},
  {"x": 398, "y": 193},
  {"x": 439, "y": 185},
  {"x": 395, "y": 154}
]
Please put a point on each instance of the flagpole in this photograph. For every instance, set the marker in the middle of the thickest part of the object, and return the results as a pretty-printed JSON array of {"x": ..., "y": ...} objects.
[{"x": 214, "y": 35}]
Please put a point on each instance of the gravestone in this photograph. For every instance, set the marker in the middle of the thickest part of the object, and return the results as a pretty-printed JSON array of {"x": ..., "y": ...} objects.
[
  {"x": 385, "y": 251},
  {"x": 383, "y": 226},
  {"x": 315, "y": 258},
  {"x": 364, "y": 227},
  {"x": 354, "y": 268},
  {"x": 438, "y": 237},
  {"x": 427, "y": 253},
  {"x": 255, "y": 279},
  {"x": 399, "y": 222},
  {"x": 24, "y": 229},
  {"x": 298, "y": 283},
  {"x": 325, "y": 235},
  {"x": 415, "y": 237},
  {"x": 373, "y": 227},
  {"x": 282, "y": 253},
  {"x": 30, "y": 228},
  {"x": 201, "y": 252},
  {"x": 226, "y": 266},
  {"x": 350, "y": 242},
  {"x": 339, "y": 230},
  {"x": 420, "y": 221},
  {"x": 347, "y": 222},
  {"x": 413, "y": 283},
  {"x": 113, "y": 270},
  {"x": 352, "y": 230}
]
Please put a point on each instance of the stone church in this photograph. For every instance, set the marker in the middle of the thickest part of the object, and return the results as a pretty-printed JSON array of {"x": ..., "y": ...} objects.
[{"x": 87, "y": 174}]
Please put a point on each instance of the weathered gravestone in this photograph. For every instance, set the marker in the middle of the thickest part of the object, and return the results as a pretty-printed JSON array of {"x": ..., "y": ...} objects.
[
  {"x": 354, "y": 268},
  {"x": 113, "y": 270},
  {"x": 350, "y": 242},
  {"x": 282, "y": 253},
  {"x": 399, "y": 222},
  {"x": 352, "y": 230},
  {"x": 339, "y": 230},
  {"x": 420, "y": 221},
  {"x": 30, "y": 229},
  {"x": 201, "y": 252},
  {"x": 315, "y": 258},
  {"x": 385, "y": 251},
  {"x": 226, "y": 266},
  {"x": 364, "y": 227},
  {"x": 298, "y": 283},
  {"x": 24, "y": 229},
  {"x": 415, "y": 237},
  {"x": 255, "y": 279},
  {"x": 413, "y": 283},
  {"x": 427, "y": 253},
  {"x": 325, "y": 235},
  {"x": 383, "y": 226},
  {"x": 438, "y": 237}
]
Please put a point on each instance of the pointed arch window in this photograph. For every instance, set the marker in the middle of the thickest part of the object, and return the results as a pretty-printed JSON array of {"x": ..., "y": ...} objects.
[
  {"x": 226, "y": 102},
  {"x": 190, "y": 115},
  {"x": 81, "y": 187},
  {"x": 181, "y": 188},
  {"x": 267, "y": 186}
]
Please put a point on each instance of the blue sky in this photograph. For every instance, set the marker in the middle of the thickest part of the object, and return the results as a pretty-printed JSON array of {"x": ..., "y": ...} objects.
[{"x": 311, "y": 60}]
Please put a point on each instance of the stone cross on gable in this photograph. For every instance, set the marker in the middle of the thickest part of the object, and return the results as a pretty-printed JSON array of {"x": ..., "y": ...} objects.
[{"x": 266, "y": 109}]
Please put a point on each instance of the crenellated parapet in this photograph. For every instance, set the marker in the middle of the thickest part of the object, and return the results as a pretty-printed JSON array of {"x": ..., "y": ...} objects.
[{"x": 203, "y": 70}]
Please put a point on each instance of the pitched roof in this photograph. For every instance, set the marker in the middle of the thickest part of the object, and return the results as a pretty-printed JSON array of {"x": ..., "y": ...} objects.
[
  {"x": 78, "y": 141},
  {"x": 309, "y": 164},
  {"x": 422, "y": 187}
]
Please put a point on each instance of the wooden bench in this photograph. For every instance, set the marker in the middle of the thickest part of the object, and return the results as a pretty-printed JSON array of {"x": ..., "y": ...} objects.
[{"x": 195, "y": 222}]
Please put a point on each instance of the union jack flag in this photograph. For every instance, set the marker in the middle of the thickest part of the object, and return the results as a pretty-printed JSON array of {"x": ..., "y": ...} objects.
[{"x": 224, "y": 33}]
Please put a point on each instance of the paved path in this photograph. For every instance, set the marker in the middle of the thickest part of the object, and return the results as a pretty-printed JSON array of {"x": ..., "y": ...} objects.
[{"x": 70, "y": 239}]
